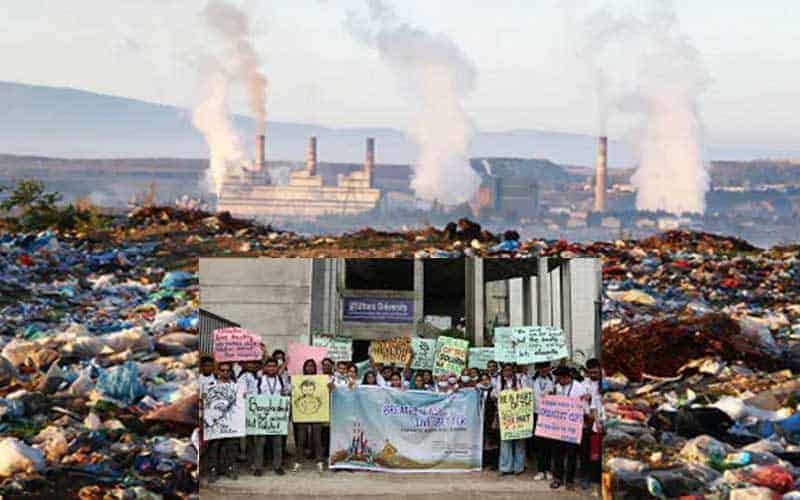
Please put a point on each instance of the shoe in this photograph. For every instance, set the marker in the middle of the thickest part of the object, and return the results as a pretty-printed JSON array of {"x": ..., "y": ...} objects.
[
  {"x": 320, "y": 467},
  {"x": 539, "y": 476},
  {"x": 585, "y": 485},
  {"x": 212, "y": 475},
  {"x": 258, "y": 472},
  {"x": 506, "y": 473},
  {"x": 570, "y": 487},
  {"x": 279, "y": 472},
  {"x": 233, "y": 473},
  {"x": 296, "y": 467},
  {"x": 556, "y": 484},
  {"x": 518, "y": 473}
]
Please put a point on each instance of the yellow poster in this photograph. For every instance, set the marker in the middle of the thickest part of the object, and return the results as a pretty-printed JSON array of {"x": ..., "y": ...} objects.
[
  {"x": 310, "y": 399},
  {"x": 516, "y": 414}
]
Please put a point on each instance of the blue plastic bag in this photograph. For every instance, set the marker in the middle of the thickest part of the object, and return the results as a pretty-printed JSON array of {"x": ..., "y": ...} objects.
[
  {"x": 177, "y": 279},
  {"x": 121, "y": 383}
]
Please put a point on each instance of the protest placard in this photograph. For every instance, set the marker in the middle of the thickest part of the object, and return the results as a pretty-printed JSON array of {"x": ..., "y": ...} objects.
[
  {"x": 236, "y": 344},
  {"x": 267, "y": 415},
  {"x": 339, "y": 348},
  {"x": 515, "y": 414},
  {"x": 560, "y": 418},
  {"x": 424, "y": 351},
  {"x": 299, "y": 353},
  {"x": 479, "y": 357},
  {"x": 223, "y": 411},
  {"x": 310, "y": 399},
  {"x": 451, "y": 356},
  {"x": 529, "y": 344},
  {"x": 395, "y": 351}
]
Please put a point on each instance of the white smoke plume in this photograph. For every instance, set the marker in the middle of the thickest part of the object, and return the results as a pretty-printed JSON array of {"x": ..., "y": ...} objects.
[
  {"x": 643, "y": 65},
  {"x": 435, "y": 76}
]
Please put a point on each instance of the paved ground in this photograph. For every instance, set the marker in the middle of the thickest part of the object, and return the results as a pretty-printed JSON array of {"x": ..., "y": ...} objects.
[{"x": 308, "y": 484}]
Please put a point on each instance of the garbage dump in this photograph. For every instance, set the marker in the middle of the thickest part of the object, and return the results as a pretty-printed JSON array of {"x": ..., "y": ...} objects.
[{"x": 701, "y": 347}]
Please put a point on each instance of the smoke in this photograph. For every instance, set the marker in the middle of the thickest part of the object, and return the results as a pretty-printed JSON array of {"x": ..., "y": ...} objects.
[
  {"x": 642, "y": 65},
  {"x": 435, "y": 76},
  {"x": 234, "y": 27}
]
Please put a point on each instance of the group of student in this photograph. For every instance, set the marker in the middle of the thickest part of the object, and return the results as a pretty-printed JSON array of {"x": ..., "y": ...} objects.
[{"x": 555, "y": 460}]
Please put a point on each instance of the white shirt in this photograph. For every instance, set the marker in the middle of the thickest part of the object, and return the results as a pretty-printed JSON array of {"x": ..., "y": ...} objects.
[
  {"x": 249, "y": 382},
  {"x": 340, "y": 380},
  {"x": 574, "y": 389},
  {"x": 542, "y": 386},
  {"x": 274, "y": 386}
]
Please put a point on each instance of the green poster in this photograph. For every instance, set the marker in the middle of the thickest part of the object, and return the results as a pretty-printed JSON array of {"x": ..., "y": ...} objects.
[
  {"x": 451, "y": 356},
  {"x": 424, "y": 351},
  {"x": 267, "y": 415},
  {"x": 339, "y": 348},
  {"x": 479, "y": 357},
  {"x": 504, "y": 346}
]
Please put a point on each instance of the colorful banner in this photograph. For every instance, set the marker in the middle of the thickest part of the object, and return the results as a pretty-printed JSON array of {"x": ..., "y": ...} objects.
[
  {"x": 383, "y": 429},
  {"x": 395, "y": 351},
  {"x": 451, "y": 356},
  {"x": 424, "y": 351},
  {"x": 310, "y": 399},
  {"x": 339, "y": 348},
  {"x": 375, "y": 310},
  {"x": 236, "y": 344},
  {"x": 516, "y": 414},
  {"x": 223, "y": 411},
  {"x": 479, "y": 357},
  {"x": 560, "y": 418},
  {"x": 267, "y": 415},
  {"x": 529, "y": 344},
  {"x": 299, "y": 353}
]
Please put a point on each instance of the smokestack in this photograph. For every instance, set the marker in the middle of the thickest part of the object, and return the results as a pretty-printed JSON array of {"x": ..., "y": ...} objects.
[
  {"x": 369, "y": 162},
  {"x": 600, "y": 180},
  {"x": 261, "y": 161},
  {"x": 311, "y": 156}
]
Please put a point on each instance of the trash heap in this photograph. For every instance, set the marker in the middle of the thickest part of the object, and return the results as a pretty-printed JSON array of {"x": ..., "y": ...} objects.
[{"x": 98, "y": 367}]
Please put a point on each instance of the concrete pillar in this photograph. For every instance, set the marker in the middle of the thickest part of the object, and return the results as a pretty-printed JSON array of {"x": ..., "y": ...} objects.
[
  {"x": 419, "y": 294},
  {"x": 566, "y": 305},
  {"x": 516, "y": 305},
  {"x": 543, "y": 307},
  {"x": 474, "y": 288},
  {"x": 527, "y": 304}
]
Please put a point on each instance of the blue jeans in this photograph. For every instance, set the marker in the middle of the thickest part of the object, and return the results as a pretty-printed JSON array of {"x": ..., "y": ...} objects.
[{"x": 512, "y": 455}]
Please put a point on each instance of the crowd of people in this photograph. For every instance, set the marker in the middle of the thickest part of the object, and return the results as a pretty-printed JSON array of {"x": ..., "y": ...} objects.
[{"x": 559, "y": 462}]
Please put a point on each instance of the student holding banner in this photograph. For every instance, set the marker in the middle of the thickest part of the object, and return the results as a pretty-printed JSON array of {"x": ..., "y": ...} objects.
[
  {"x": 222, "y": 451},
  {"x": 271, "y": 384},
  {"x": 542, "y": 384},
  {"x": 591, "y": 443},
  {"x": 565, "y": 452},
  {"x": 512, "y": 451},
  {"x": 310, "y": 434}
]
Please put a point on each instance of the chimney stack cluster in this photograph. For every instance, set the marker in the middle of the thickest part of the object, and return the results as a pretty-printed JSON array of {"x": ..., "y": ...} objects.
[{"x": 600, "y": 179}]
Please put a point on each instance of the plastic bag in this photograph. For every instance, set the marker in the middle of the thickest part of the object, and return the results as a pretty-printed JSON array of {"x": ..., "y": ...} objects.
[
  {"x": 121, "y": 383},
  {"x": 774, "y": 477},
  {"x": 16, "y": 457}
]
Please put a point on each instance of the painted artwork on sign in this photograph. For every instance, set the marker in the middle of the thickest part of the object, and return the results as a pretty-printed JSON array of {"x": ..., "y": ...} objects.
[
  {"x": 310, "y": 399},
  {"x": 424, "y": 351},
  {"x": 377, "y": 310},
  {"x": 223, "y": 411},
  {"x": 395, "y": 351}
]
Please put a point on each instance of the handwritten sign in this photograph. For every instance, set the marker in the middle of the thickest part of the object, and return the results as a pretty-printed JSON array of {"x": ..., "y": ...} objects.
[
  {"x": 424, "y": 354},
  {"x": 451, "y": 356},
  {"x": 339, "y": 348},
  {"x": 515, "y": 414},
  {"x": 529, "y": 344},
  {"x": 560, "y": 418},
  {"x": 310, "y": 399},
  {"x": 395, "y": 351},
  {"x": 223, "y": 411},
  {"x": 267, "y": 415},
  {"x": 236, "y": 344},
  {"x": 479, "y": 357},
  {"x": 299, "y": 353}
]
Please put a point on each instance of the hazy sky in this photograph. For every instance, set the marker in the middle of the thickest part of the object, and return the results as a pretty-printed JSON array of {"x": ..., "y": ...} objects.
[{"x": 528, "y": 74}]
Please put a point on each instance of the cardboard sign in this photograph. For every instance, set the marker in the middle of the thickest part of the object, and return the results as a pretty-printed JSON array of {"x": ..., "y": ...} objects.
[
  {"x": 267, "y": 415},
  {"x": 515, "y": 414},
  {"x": 451, "y": 356},
  {"x": 395, "y": 351},
  {"x": 479, "y": 357},
  {"x": 424, "y": 351},
  {"x": 310, "y": 399},
  {"x": 529, "y": 344},
  {"x": 236, "y": 344},
  {"x": 560, "y": 418},
  {"x": 223, "y": 411},
  {"x": 299, "y": 353},
  {"x": 339, "y": 348}
]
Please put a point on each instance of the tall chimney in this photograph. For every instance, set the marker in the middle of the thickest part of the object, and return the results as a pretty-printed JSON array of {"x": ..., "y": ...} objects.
[
  {"x": 261, "y": 162},
  {"x": 311, "y": 156},
  {"x": 600, "y": 180},
  {"x": 369, "y": 162}
]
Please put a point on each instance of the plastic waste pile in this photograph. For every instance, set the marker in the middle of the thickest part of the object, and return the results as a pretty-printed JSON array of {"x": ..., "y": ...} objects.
[{"x": 98, "y": 361}]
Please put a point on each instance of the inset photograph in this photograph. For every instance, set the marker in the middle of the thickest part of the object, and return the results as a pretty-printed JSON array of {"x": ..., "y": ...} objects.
[{"x": 466, "y": 377}]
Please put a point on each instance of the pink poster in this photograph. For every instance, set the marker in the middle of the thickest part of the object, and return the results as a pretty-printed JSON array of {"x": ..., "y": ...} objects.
[
  {"x": 299, "y": 353},
  {"x": 236, "y": 344},
  {"x": 560, "y": 418}
]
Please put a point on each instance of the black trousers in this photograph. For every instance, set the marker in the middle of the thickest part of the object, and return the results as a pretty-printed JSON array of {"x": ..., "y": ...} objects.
[
  {"x": 565, "y": 454},
  {"x": 222, "y": 454},
  {"x": 543, "y": 448},
  {"x": 589, "y": 470},
  {"x": 261, "y": 447}
]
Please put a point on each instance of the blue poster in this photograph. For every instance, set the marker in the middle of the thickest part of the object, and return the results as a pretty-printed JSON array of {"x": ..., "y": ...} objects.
[
  {"x": 376, "y": 310},
  {"x": 383, "y": 429}
]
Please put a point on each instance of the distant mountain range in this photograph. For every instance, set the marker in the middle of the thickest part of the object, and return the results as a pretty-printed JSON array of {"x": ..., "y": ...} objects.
[{"x": 69, "y": 123}]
